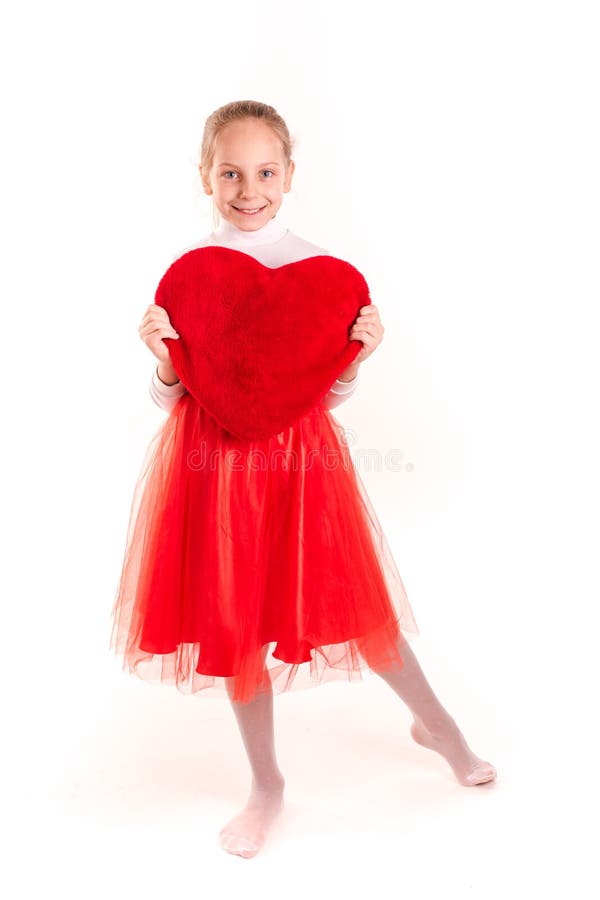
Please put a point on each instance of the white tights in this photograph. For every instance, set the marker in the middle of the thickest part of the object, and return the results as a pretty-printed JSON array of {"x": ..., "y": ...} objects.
[{"x": 433, "y": 727}]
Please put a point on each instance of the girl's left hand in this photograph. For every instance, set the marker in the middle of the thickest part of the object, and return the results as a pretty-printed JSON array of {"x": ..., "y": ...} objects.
[{"x": 368, "y": 329}]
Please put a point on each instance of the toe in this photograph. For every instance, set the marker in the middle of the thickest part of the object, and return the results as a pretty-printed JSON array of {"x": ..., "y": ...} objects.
[
  {"x": 481, "y": 774},
  {"x": 236, "y": 844}
]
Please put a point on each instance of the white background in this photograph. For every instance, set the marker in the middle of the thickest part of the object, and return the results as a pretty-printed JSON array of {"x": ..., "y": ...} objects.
[{"x": 450, "y": 151}]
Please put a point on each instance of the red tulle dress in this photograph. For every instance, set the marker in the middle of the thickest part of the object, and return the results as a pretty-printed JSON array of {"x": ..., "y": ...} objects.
[{"x": 255, "y": 565}]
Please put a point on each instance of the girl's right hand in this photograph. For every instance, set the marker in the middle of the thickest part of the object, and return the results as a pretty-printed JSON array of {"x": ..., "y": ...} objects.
[{"x": 155, "y": 326}]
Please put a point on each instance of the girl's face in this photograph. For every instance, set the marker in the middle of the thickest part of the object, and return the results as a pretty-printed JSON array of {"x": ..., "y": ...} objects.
[{"x": 248, "y": 173}]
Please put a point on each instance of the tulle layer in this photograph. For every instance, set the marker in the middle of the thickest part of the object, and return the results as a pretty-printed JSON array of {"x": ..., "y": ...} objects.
[{"x": 255, "y": 565}]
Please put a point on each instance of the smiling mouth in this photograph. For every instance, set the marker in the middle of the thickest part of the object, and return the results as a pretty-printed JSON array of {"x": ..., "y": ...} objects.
[{"x": 250, "y": 212}]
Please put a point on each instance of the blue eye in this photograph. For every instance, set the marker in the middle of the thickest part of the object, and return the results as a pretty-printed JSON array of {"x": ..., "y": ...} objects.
[{"x": 231, "y": 172}]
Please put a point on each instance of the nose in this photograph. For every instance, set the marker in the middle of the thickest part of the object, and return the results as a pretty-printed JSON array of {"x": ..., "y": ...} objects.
[{"x": 246, "y": 189}]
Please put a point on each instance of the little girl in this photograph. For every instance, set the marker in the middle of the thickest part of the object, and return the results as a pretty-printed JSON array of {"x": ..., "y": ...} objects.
[{"x": 292, "y": 557}]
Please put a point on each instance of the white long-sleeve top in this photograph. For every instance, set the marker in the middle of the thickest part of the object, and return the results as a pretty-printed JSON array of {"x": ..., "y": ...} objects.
[{"x": 273, "y": 244}]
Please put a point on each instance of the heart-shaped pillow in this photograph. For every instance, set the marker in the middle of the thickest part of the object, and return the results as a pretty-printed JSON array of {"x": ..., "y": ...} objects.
[{"x": 258, "y": 347}]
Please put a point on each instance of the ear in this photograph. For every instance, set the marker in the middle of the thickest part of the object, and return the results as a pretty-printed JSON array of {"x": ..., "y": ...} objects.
[
  {"x": 288, "y": 176},
  {"x": 205, "y": 182}
]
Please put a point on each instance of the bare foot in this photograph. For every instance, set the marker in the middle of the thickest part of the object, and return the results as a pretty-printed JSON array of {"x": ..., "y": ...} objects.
[
  {"x": 245, "y": 834},
  {"x": 450, "y": 743}
]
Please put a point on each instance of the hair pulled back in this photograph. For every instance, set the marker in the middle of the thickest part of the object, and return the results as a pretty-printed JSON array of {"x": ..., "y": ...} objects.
[{"x": 236, "y": 111}]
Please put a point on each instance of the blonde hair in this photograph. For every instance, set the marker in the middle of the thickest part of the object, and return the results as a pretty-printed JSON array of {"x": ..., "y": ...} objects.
[{"x": 234, "y": 112}]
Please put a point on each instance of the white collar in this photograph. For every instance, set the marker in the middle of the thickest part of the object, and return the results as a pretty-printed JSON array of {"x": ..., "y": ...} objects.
[{"x": 228, "y": 233}]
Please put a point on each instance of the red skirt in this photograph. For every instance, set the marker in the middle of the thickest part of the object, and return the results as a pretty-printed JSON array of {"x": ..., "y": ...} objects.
[{"x": 261, "y": 562}]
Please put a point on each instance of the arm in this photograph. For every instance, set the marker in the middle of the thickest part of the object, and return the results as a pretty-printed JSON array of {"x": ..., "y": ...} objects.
[
  {"x": 343, "y": 387},
  {"x": 165, "y": 395},
  {"x": 339, "y": 392}
]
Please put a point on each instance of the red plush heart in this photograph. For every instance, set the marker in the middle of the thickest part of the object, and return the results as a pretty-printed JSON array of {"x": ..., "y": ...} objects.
[{"x": 258, "y": 347}]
